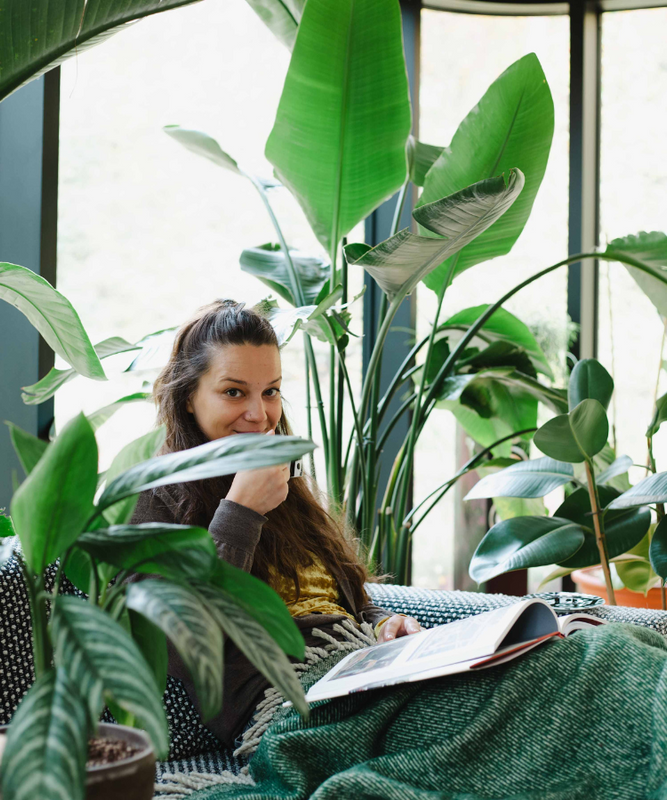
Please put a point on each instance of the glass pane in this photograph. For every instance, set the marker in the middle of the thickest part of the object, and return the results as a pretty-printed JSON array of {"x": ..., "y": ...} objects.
[
  {"x": 148, "y": 232},
  {"x": 462, "y": 54},
  {"x": 633, "y": 198}
]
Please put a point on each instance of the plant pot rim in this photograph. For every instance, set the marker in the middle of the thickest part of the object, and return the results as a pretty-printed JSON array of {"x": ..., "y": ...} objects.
[{"x": 135, "y": 736}]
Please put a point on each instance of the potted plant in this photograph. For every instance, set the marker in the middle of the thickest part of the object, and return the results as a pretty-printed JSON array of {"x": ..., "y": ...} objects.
[
  {"x": 603, "y": 520},
  {"x": 108, "y": 647}
]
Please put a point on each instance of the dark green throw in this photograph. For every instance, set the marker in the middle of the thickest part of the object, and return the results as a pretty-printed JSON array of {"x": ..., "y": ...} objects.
[{"x": 578, "y": 719}]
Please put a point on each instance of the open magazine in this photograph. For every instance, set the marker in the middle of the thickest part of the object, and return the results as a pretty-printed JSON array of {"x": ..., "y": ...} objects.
[{"x": 481, "y": 641}]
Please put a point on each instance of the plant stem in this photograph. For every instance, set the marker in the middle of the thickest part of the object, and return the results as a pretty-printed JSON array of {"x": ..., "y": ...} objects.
[
  {"x": 598, "y": 524},
  {"x": 119, "y": 588}
]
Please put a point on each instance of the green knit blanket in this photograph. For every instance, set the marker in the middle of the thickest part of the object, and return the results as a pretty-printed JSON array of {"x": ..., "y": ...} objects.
[{"x": 583, "y": 718}]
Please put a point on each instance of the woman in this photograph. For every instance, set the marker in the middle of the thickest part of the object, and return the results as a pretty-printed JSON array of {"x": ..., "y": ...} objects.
[{"x": 224, "y": 378}]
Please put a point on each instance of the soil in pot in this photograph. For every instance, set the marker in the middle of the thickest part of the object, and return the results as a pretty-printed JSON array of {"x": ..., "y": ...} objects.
[{"x": 121, "y": 764}]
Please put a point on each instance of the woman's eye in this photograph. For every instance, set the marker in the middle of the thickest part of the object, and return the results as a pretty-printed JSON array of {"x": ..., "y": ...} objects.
[
  {"x": 229, "y": 392},
  {"x": 274, "y": 389}
]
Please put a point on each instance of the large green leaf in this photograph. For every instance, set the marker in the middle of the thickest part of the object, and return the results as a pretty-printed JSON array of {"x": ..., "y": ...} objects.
[
  {"x": 268, "y": 263},
  {"x": 186, "y": 621},
  {"x": 659, "y": 416},
  {"x": 29, "y": 448},
  {"x": 619, "y": 466},
  {"x": 501, "y": 326},
  {"x": 47, "y": 743},
  {"x": 576, "y": 436},
  {"x": 651, "y": 248},
  {"x": 156, "y": 348},
  {"x": 637, "y": 575},
  {"x": 38, "y": 36},
  {"x": 153, "y": 645},
  {"x": 55, "y": 378},
  {"x": 282, "y": 17},
  {"x": 174, "y": 551},
  {"x": 525, "y": 479},
  {"x": 344, "y": 116},
  {"x": 99, "y": 417},
  {"x": 623, "y": 529},
  {"x": 51, "y": 506},
  {"x": 421, "y": 158},
  {"x": 658, "y": 549},
  {"x": 135, "y": 452},
  {"x": 652, "y": 489},
  {"x": 524, "y": 542},
  {"x": 262, "y": 603},
  {"x": 589, "y": 380},
  {"x": 255, "y": 643},
  {"x": 400, "y": 262},
  {"x": 511, "y": 127},
  {"x": 46, "y": 309},
  {"x": 103, "y": 661},
  {"x": 221, "y": 457},
  {"x": 6, "y": 525}
]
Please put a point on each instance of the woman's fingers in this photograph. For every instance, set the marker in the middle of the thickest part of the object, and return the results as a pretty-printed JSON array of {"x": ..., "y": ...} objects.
[{"x": 398, "y": 626}]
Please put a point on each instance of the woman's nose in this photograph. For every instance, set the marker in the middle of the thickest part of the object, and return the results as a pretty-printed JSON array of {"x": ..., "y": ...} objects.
[{"x": 255, "y": 410}]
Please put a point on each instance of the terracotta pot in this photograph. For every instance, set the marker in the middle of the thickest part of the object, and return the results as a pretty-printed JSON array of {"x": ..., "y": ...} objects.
[
  {"x": 130, "y": 779},
  {"x": 589, "y": 581}
]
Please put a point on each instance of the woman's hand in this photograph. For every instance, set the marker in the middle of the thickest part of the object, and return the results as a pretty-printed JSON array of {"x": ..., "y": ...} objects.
[
  {"x": 398, "y": 626},
  {"x": 261, "y": 490}
]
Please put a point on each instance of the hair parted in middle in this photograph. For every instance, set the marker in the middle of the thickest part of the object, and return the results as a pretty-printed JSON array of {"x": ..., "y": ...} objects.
[{"x": 298, "y": 528}]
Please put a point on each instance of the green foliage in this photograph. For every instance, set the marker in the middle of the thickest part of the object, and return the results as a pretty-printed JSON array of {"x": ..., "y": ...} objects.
[
  {"x": 523, "y": 542},
  {"x": 511, "y": 127},
  {"x": 52, "y": 505},
  {"x": 576, "y": 436},
  {"x": 589, "y": 380},
  {"x": 28, "y": 448},
  {"x": 267, "y": 262},
  {"x": 35, "y": 42},
  {"x": 187, "y": 622},
  {"x": 47, "y": 742},
  {"x": 658, "y": 550},
  {"x": 340, "y": 90},
  {"x": 650, "y": 249},
  {"x": 525, "y": 479},
  {"x": 49, "y": 311}
]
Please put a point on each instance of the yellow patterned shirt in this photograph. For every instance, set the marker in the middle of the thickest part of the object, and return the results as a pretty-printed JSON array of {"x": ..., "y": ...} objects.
[{"x": 319, "y": 591}]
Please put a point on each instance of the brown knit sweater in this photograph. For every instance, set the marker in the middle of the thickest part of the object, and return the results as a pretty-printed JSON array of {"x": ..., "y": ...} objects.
[{"x": 236, "y": 531}]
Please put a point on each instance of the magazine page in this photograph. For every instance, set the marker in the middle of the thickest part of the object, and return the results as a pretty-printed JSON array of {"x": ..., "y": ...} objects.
[
  {"x": 578, "y": 622},
  {"x": 442, "y": 650}
]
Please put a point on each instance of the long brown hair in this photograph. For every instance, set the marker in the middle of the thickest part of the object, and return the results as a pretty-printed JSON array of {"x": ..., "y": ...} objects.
[{"x": 298, "y": 528}]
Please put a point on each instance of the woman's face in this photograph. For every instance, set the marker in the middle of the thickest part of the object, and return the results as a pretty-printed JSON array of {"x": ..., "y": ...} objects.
[{"x": 240, "y": 392}]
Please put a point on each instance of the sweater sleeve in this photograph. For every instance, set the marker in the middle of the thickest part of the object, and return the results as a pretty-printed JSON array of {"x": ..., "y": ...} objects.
[{"x": 235, "y": 529}]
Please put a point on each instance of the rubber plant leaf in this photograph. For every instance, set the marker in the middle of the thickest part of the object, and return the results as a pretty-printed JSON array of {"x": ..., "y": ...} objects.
[
  {"x": 534, "y": 478},
  {"x": 400, "y": 262},
  {"x": 623, "y": 529},
  {"x": 650, "y": 490},
  {"x": 524, "y": 542},
  {"x": 511, "y": 127},
  {"x": 52, "y": 314},
  {"x": 658, "y": 550},
  {"x": 339, "y": 138},
  {"x": 50, "y": 508},
  {"x": 35, "y": 38},
  {"x": 576, "y": 436},
  {"x": 589, "y": 380}
]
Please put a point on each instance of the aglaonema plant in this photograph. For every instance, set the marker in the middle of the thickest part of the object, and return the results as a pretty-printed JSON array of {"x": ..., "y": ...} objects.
[
  {"x": 603, "y": 520},
  {"x": 110, "y": 646}
]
